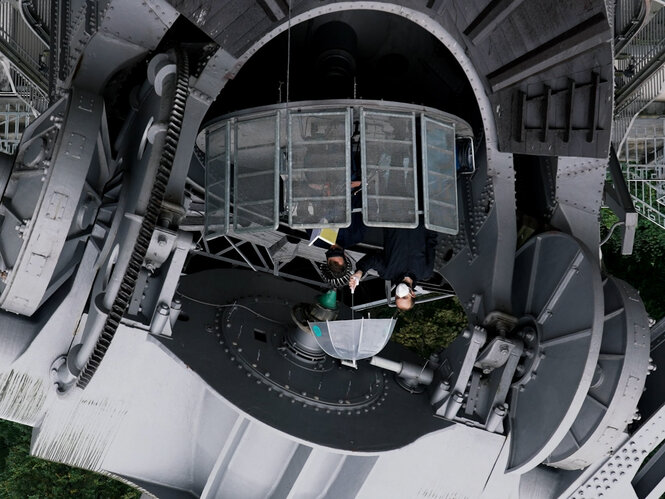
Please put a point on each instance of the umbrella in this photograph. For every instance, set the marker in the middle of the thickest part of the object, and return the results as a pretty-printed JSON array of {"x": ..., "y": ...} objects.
[{"x": 353, "y": 339}]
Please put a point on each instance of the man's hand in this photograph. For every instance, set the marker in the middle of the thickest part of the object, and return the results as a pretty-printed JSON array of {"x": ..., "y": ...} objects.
[{"x": 354, "y": 280}]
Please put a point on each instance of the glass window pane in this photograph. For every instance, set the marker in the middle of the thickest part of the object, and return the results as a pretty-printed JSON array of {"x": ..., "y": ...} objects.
[
  {"x": 217, "y": 181},
  {"x": 439, "y": 176},
  {"x": 255, "y": 172},
  {"x": 319, "y": 190},
  {"x": 390, "y": 196}
]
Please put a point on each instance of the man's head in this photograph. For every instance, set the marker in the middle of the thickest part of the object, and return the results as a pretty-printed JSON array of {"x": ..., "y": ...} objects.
[
  {"x": 336, "y": 261},
  {"x": 338, "y": 267},
  {"x": 404, "y": 295}
]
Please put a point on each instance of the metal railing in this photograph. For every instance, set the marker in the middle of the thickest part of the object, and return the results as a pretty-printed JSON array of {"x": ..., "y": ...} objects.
[
  {"x": 643, "y": 167},
  {"x": 26, "y": 90},
  {"x": 639, "y": 70},
  {"x": 625, "y": 115},
  {"x": 14, "y": 118},
  {"x": 20, "y": 44},
  {"x": 640, "y": 56},
  {"x": 24, "y": 62},
  {"x": 629, "y": 16},
  {"x": 37, "y": 15}
]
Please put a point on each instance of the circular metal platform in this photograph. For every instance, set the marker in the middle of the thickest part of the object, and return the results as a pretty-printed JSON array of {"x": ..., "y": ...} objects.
[
  {"x": 251, "y": 358},
  {"x": 264, "y": 350},
  {"x": 557, "y": 293}
]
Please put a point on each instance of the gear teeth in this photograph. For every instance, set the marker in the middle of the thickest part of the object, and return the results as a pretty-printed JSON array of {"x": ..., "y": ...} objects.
[{"x": 157, "y": 193}]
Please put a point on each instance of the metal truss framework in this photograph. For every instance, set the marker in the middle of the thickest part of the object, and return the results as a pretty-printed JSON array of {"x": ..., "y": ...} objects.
[
  {"x": 248, "y": 254},
  {"x": 639, "y": 70},
  {"x": 25, "y": 55},
  {"x": 245, "y": 252}
]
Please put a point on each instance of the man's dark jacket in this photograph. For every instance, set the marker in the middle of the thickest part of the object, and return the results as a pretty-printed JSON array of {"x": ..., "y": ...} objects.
[{"x": 406, "y": 252}]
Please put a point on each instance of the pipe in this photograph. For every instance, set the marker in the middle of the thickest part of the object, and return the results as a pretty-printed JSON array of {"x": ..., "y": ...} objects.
[
  {"x": 406, "y": 370},
  {"x": 160, "y": 318},
  {"x": 454, "y": 405}
]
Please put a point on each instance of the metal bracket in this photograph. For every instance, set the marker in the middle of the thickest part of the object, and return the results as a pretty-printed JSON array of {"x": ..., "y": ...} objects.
[
  {"x": 618, "y": 199},
  {"x": 456, "y": 367}
]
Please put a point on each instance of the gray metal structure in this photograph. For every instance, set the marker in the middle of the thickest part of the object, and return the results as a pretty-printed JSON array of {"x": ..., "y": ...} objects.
[{"x": 156, "y": 285}]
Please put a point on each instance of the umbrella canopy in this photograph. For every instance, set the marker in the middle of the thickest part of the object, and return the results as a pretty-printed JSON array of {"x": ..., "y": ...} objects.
[{"x": 353, "y": 339}]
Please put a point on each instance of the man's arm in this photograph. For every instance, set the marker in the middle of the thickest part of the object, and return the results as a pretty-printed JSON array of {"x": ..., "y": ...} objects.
[
  {"x": 366, "y": 263},
  {"x": 371, "y": 261}
]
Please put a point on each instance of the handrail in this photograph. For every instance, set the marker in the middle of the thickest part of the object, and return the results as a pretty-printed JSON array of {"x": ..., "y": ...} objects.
[
  {"x": 629, "y": 17},
  {"x": 625, "y": 114},
  {"x": 24, "y": 88},
  {"x": 641, "y": 57},
  {"x": 14, "y": 119},
  {"x": 639, "y": 73},
  {"x": 38, "y": 25},
  {"x": 21, "y": 47}
]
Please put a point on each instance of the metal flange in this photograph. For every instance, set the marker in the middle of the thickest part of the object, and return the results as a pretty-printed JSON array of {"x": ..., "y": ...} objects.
[{"x": 619, "y": 377}]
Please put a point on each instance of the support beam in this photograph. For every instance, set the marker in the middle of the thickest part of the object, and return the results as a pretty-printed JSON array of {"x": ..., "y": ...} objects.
[
  {"x": 650, "y": 480},
  {"x": 491, "y": 17},
  {"x": 581, "y": 38},
  {"x": 593, "y": 108},
  {"x": 547, "y": 101},
  {"x": 276, "y": 9},
  {"x": 571, "y": 109}
]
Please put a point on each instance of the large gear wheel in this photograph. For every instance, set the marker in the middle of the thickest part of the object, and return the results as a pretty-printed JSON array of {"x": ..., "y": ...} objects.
[
  {"x": 153, "y": 209},
  {"x": 558, "y": 296}
]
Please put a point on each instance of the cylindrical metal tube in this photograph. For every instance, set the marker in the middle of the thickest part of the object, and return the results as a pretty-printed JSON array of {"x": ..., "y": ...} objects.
[
  {"x": 387, "y": 364},
  {"x": 496, "y": 416},
  {"x": 176, "y": 308},
  {"x": 93, "y": 328},
  {"x": 129, "y": 228},
  {"x": 423, "y": 375},
  {"x": 440, "y": 392},
  {"x": 406, "y": 370},
  {"x": 454, "y": 405},
  {"x": 160, "y": 318}
]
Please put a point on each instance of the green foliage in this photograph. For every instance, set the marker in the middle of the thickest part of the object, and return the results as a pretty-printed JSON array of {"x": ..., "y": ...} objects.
[
  {"x": 428, "y": 327},
  {"x": 22, "y": 476},
  {"x": 643, "y": 269}
]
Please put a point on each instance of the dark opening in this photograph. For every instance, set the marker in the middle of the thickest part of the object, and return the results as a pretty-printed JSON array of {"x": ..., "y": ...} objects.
[{"x": 260, "y": 336}]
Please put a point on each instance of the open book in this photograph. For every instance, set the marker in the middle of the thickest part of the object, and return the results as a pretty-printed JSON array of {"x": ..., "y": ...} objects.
[{"x": 327, "y": 235}]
